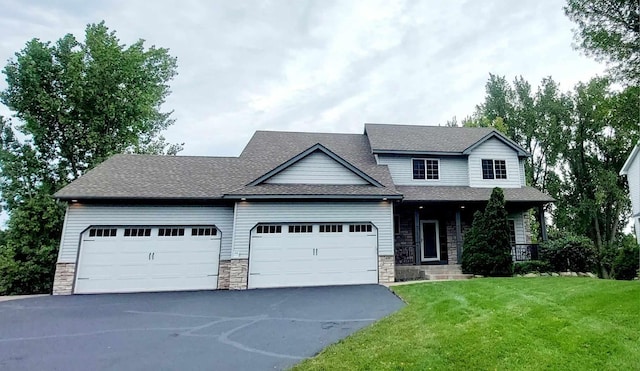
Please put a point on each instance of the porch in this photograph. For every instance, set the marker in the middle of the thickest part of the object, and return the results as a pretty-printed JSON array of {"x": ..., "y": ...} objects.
[{"x": 429, "y": 236}]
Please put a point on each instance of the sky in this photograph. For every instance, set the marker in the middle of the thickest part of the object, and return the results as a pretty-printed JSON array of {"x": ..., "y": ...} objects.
[{"x": 319, "y": 65}]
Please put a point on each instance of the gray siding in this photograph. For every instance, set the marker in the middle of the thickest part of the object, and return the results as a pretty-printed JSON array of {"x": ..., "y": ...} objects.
[
  {"x": 453, "y": 170},
  {"x": 523, "y": 177},
  {"x": 316, "y": 168},
  {"x": 494, "y": 149},
  {"x": 519, "y": 224},
  {"x": 248, "y": 214},
  {"x": 79, "y": 217}
]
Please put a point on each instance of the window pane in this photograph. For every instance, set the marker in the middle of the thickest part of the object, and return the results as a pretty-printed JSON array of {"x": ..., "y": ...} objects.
[
  {"x": 432, "y": 169},
  {"x": 512, "y": 231},
  {"x": 487, "y": 169},
  {"x": 418, "y": 169},
  {"x": 501, "y": 169}
]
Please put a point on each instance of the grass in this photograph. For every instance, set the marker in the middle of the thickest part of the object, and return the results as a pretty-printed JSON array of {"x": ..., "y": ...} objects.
[{"x": 543, "y": 323}]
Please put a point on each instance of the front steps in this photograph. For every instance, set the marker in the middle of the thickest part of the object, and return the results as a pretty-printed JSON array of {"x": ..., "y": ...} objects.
[{"x": 430, "y": 272}]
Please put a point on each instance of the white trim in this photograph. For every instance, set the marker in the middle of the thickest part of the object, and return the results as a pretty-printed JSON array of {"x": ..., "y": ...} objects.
[
  {"x": 493, "y": 162},
  {"x": 627, "y": 164},
  {"x": 437, "y": 224},
  {"x": 425, "y": 169}
]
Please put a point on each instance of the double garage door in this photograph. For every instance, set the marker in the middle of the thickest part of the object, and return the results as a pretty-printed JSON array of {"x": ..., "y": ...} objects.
[
  {"x": 313, "y": 254},
  {"x": 138, "y": 258}
]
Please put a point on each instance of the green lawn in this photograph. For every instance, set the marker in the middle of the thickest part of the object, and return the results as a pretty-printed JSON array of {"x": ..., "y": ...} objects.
[{"x": 542, "y": 323}]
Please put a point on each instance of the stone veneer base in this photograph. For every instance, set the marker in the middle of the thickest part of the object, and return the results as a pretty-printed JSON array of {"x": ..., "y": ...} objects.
[
  {"x": 224, "y": 274},
  {"x": 386, "y": 269},
  {"x": 238, "y": 274},
  {"x": 63, "y": 279}
]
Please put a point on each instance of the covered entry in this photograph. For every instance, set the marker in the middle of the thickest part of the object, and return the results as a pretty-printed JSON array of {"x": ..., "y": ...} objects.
[
  {"x": 313, "y": 254},
  {"x": 142, "y": 258}
]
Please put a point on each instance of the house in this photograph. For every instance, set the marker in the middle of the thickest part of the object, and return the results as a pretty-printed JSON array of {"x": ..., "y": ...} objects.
[
  {"x": 631, "y": 169},
  {"x": 294, "y": 209}
]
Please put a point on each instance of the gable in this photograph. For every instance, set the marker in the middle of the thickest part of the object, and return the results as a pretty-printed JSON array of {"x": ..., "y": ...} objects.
[
  {"x": 316, "y": 168},
  {"x": 495, "y": 136}
]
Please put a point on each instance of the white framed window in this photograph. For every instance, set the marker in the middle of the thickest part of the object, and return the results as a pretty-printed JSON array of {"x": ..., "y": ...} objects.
[
  {"x": 426, "y": 168},
  {"x": 356, "y": 228},
  {"x": 494, "y": 169},
  {"x": 103, "y": 232},
  {"x": 205, "y": 231},
  {"x": 264, "y": 229},
  {"x": 512, "y": 231},
  {"x": 330, "y": 228},
  {"x": 137, "y": 232},
  {"x": 170, "y": 232},
  {"x": 304, "y": 228}
]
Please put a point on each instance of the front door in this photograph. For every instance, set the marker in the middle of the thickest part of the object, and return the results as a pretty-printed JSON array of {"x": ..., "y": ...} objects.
[{"x": 430, "y": 236}]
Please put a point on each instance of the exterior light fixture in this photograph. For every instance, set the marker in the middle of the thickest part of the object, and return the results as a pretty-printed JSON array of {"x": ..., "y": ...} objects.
[
  {"x": 74, "y": 201},
  {"x": 384, "y": 199},
  {"x": 420, "y": 207},
  {"x": 462, "y": 207},
  {"x": 243, "y": 199}
]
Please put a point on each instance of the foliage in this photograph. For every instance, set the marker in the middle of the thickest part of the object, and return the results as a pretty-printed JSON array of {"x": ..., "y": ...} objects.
[
  {"x": 627, "y": 262},
  {"x": 545, "y": 323},
  {"x": 487, "y": 249},
  {"x": 609, "y": 30},
  {"x": 77, "y": 103},
  {"x": 579, "y": 141},
  {"x": 530, "y": 266},
  {"x": 569, "y": 252},
  {"x": 27, "y": 261}
]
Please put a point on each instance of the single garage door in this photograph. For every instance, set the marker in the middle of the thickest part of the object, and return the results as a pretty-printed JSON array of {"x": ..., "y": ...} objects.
[
  {"x": 284, "y": 255},
  {"x": 137, "y": 259}
]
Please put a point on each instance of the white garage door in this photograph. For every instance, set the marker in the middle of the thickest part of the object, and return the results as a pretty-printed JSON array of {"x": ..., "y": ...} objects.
[
  {"x": 137, "y": 259},
  {"x": 285, "y": 255}
]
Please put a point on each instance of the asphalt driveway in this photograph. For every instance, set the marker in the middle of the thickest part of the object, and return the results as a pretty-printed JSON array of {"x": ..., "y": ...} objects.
[{"x": 214, "y": 330}]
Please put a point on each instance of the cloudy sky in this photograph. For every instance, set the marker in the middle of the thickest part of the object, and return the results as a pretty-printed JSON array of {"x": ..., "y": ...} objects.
[{"x": 319, "y": 65}]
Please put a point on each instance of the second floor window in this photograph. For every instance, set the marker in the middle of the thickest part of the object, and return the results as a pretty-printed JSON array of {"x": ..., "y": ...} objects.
[
  {"x": 494, "y": 169},
  {"x": 426, "y": 169}
]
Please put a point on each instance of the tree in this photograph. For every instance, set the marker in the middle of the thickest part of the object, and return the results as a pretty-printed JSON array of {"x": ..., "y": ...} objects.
[
  {"x": 77, "y": 103},
  {"x": 578, "y": 140},
  {"x": 609, "y": 30},
  {"x": 487, "y": 249}
]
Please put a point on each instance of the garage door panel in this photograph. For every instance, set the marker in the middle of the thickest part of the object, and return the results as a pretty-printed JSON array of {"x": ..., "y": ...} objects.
[
  {"x": 313, "y": 259},
  {"x": 149, "y": 263}
]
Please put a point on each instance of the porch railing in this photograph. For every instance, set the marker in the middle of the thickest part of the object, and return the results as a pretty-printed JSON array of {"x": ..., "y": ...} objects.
[{"x": 524, "y": 252}]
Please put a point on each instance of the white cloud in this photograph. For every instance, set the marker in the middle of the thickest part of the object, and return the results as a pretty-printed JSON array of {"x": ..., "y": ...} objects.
[{"x": 320, "y": 65}]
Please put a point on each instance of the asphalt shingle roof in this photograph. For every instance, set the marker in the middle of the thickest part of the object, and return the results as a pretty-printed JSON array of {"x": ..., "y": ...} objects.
[
  {"x": 469, "y": 194},
  {"x": 184, "y": 177},
  {"x": 417, "y": 138},
  {"x": 147, "y": 176}
]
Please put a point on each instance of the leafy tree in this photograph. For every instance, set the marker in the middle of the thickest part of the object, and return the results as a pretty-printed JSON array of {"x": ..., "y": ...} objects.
[
  {"x": 609, "y": 30},
  {"x": 77, "y": 103},
  {"x": 626, "y": 263},
  {"x": 578, "y": 140},
  {"x": 487, "y": 250}
]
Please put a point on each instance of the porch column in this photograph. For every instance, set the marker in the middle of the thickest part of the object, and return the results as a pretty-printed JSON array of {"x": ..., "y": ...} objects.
[
  {"x": 416, "y": 236},
  {"x": 459, "y": 235},
  {"x": 543, "y": 223}
]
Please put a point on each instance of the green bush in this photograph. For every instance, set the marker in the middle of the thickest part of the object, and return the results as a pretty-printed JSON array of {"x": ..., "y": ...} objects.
[
  {"x": 487, "y": 250},
  {"x": 626, "y": 264},
  {"x": 537, "y": 266},
  {"x": 569, "y": 252}
]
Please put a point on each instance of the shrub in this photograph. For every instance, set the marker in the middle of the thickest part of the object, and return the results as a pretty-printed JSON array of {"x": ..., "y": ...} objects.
[
  {"x": 537, "y": 266},
  {"x": 626, "y": 264},
  {"x": 569, "y": 252},
  {"x": 487, "y": 250}
]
